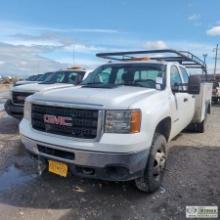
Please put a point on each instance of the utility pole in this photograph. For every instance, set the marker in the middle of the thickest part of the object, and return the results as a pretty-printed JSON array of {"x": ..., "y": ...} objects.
[
  {"x": 205, "y": 56},
  {"x": 216, "y": 58}
]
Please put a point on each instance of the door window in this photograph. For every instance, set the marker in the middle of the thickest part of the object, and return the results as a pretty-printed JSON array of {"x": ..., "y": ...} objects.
[
  {"x": 175, "y": 78},
  {"x": 72, "y": 78},
  {"x": 185, "y": 75},
  {"x": 103, "y": 76}
]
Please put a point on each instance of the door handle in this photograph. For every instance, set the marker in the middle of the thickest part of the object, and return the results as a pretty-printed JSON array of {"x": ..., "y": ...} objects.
[{"x": 185, "y": 100}]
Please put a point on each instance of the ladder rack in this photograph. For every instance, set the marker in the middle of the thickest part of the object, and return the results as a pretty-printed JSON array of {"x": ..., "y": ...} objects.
[{"x": 185, "y": 58}]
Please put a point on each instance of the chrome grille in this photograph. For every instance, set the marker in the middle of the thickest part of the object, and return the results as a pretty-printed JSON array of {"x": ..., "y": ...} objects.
[{"x": 84, "y": 122}]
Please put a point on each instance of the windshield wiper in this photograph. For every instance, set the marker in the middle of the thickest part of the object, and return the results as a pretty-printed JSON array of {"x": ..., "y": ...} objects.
[
  {"x": 47, "y": 82},
  {"x": 131, "y": 84},
  {"x": 98, "y": 85}
]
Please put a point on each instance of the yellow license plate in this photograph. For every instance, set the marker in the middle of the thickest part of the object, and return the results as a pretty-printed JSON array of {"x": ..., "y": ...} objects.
[{"x": 58, "y": 168}]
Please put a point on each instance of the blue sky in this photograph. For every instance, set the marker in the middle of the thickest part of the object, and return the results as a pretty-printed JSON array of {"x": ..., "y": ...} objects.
[{"x": 38, "y": 36}]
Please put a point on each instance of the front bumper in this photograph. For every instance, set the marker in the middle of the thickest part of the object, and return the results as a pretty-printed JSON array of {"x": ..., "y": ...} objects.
[
  {"x": 93, "y": 164},
  {"x": 15, "y": 111}
]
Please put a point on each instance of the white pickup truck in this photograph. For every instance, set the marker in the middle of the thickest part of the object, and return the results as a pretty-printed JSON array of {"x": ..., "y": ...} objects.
[
  {"x": 32, "y": 79},
  {"x": 14, "y": 106},
  {"x": 116, "y": 124}
]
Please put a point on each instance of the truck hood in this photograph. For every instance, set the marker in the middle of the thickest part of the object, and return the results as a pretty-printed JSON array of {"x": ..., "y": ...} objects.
[
  {"x": 37, "y": 87},
  {"x": 120, "y": 97},
  {"x": 23, "y": 82}
]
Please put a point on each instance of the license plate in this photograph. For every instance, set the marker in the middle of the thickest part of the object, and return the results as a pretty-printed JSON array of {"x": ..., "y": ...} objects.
[{"x": 58, "y": 168}]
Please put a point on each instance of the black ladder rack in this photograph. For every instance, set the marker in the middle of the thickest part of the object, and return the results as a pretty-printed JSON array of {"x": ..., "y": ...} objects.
[{"x": 185, "y": 58}]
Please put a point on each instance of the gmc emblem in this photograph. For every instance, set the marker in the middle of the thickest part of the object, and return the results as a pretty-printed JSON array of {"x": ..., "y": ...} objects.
[{"x": 58, "y": 120}]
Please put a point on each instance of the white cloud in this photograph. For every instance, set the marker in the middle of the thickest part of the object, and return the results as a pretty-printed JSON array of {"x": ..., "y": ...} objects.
[
  {"x": 43, "y": 39},
  {"x": 194, "y": 17},
  {"x": 24, "y": 53},
  {"x": 54, "y": 41},
  {"x": 11, "y": 27},
  {"x": 196, "y": 48},
  {"x": 89, "y": 63},
  {"x": 24, "y": 60},
  {"x": 83, "y": 48},
  {"x": 24, "y": 49},
  {"x": 106, "y": 31},
  {"x": 153, "y": 45},
  {"x": 33, "y": 43},
  {"x": 214, "y": 31}
]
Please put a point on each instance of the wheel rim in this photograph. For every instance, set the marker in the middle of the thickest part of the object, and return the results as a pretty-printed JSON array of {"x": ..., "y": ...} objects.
[{"x": 159, "y": 163}]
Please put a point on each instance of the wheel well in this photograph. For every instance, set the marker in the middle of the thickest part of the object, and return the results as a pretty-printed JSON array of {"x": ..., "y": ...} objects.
[{"x": 164, "y": 127}]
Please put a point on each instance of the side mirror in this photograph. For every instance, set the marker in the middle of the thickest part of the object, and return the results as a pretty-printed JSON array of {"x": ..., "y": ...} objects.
[
  {"x": 194, "y": 85},
  {"x": 177, "y": 88}
]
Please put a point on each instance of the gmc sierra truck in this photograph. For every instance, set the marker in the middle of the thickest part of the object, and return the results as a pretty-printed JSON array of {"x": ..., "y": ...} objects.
[
  {"x": 14, "y": 106},
  {"x": 32, "y": 79},
  {"x": 115, "y": 126}
]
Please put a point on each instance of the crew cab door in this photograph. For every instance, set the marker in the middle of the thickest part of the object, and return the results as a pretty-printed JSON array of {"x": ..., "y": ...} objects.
[{"x": 177, "y": 102}]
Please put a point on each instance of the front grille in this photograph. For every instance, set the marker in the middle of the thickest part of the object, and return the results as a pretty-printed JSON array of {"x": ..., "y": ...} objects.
[
  {"x": 19, "y": 97},
  {"x": 83, "y": 123}
]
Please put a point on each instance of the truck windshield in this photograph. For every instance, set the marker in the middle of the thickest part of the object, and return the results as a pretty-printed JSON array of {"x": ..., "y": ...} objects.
[
  {"x": 64, "y": 77},
  {"x": 138, "y": 74},
  {"x": 44, "y": 76}
]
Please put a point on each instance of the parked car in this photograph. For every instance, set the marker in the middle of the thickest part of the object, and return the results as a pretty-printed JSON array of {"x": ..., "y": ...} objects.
[
  {"x": 116, "y": 125},
  {"x": 53, "y": 80},
  {"x": 216, "y": 92},
  {"x": 32, "y": 79}
]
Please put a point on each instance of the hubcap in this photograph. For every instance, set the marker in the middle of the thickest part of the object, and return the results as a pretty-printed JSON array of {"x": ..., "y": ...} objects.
[{"x": 159, "y": 163}]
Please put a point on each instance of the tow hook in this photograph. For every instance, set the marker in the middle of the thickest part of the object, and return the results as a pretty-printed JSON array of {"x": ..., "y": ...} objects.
[{"x": 88, "y": 171}]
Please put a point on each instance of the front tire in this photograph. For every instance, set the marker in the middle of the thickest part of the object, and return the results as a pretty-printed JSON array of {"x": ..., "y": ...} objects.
[{"x": 154, "y": 170}]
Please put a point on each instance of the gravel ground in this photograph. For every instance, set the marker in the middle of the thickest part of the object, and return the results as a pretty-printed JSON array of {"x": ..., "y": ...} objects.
[{"x": 192, "y": 178}]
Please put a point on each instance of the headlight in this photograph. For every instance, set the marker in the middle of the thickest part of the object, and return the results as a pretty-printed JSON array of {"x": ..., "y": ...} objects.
[
  {"x": 122, "y": 121},
  {"x": 27, "y": 110}
]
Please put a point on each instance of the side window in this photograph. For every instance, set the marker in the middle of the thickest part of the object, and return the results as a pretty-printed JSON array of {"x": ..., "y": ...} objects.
[
  {"x": 72, "y": 78},
  {"x": 185, "y": 75},
  {"x": 175, "y": 78},
  {"x": 147, "y": 75},
  {"x": 60, "y": 77},
  {"x": 104, "y": 75},
  {"x": 119, "y": 76}
]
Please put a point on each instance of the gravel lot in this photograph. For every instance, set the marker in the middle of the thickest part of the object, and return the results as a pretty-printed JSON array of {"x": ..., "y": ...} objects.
[{"x": 192, "y": 178}]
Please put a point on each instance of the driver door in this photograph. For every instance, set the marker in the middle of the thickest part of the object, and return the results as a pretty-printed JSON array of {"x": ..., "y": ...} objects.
[{"x": 176, "y": 102}]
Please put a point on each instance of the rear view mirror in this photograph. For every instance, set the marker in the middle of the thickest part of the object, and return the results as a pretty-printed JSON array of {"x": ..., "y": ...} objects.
[
  {"x": 194, "y": 85},
  {"x": 176, "y": 88}
]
